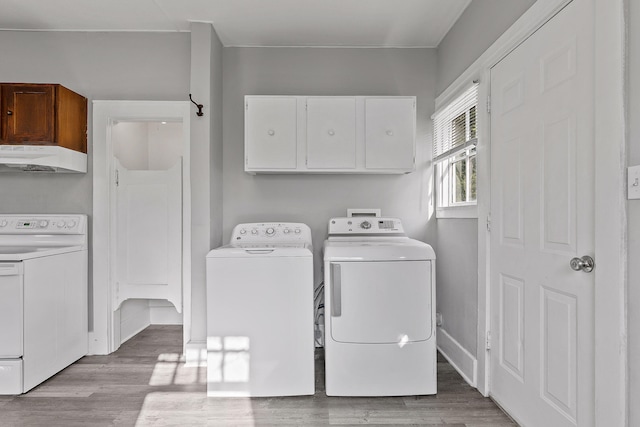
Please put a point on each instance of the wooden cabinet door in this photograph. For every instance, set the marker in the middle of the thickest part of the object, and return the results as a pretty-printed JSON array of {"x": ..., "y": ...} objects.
[
  {"x": 331, "y": 133},
  {"x": 271, "y": 133},
  {"x": 390, "y": 133},
  {"x": 28, "y": 114}
]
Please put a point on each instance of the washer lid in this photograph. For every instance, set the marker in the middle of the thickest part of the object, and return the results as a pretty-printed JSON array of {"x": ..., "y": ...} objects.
[
  {"x": 372, "y": 249},
  {"x": 272, "y": 249}
]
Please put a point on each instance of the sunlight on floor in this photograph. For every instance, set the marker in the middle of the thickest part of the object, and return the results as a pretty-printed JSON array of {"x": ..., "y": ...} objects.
[
  {"x": 190, "y": 409},
  {"x": 171, "y": 369}
]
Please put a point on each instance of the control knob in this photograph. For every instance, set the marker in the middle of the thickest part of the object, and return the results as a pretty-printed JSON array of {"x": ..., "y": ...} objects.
[
  {"x": 43, "y": 224},
  {"x": 254, "y": 231},
  {"x": 243, "y": 231},
  {"x": 270, "y": 231},
  {"x": 298, "y": 231},
  {"x": 61, "y": 224},
  {"x": 287, "y": 231},
  {"x": 365, "y": 225},
  {"x": 71, "y": 224},
  {"x": 3, "y": 223}
]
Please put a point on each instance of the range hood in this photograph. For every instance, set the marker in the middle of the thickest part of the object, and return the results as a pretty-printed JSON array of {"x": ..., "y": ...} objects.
[{"x": 41, "y": 158}]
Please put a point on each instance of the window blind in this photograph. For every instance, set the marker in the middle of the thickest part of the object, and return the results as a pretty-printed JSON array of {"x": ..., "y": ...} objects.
[{"x": 454, "y": 126}]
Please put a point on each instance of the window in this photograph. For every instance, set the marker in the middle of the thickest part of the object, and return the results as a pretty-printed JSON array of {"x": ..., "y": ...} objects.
[{"x": 454, "y": 151}]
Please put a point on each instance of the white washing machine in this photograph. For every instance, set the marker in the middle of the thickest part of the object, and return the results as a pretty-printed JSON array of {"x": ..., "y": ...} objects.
[
  {"x": 379, "y": 310},
  {"x": 260, "y": 332}
]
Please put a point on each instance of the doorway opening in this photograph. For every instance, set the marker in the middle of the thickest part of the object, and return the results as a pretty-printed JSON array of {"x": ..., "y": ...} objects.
[{"x": 141, "y": 258}]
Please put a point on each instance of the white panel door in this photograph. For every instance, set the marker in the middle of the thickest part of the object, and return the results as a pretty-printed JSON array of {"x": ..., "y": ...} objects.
[
  {"x": 381, "y": 302},
  {"x": 331, "y": 133},
  {"x": 390, "y": 133},
  {"x": 271, "y": 132},
  {"x": 149, "y": 234},
  {"x": 542, "y": 208}
]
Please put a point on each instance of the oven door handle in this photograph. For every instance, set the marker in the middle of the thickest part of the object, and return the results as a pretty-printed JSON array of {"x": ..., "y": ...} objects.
[{"x": 13, "y": 269}]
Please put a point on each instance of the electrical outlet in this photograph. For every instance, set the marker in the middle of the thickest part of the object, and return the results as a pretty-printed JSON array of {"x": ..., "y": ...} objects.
[
  {"x": 633, "y": 182},
  {"x": 438, "y": 319}
]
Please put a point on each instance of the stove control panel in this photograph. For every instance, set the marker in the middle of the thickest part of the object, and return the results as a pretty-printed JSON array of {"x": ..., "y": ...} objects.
[
  {"x": 271, "y": 231},
  {"x": 43, "y": 224}
]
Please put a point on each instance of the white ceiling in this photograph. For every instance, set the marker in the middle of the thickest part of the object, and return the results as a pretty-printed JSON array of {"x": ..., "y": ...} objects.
[{"x": 375, "y": 23}]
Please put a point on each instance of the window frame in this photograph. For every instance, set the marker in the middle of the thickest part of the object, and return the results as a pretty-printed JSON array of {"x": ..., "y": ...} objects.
[{"x": 466, "y": 151}]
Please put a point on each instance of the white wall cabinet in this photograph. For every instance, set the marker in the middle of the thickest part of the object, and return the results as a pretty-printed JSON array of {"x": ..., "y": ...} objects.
[
  {"x": 270, "y": 133},
  {"x": 330, "y": 134}
]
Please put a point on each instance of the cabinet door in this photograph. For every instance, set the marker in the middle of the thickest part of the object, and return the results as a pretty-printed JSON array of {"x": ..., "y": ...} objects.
[
  {"x": 331, "y": 133},
  {"x": 28, "y": 114},
  {"x": 270, "y": 133},
  {"x": 390, "y": 133}
]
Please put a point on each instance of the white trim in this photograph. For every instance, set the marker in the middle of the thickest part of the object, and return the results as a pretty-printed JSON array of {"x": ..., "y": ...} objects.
[
  {"x": 469, "y": 211},
  {"x": 104, "y": 339},
  {"x": 610, "y": 215},
  {"x": 610, "y": 211},
  {"x": 458, "y": 357}
]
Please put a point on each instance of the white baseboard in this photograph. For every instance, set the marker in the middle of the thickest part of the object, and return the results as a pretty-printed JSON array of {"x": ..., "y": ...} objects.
[
  {"x": 463, "y": 361},
  {"x": 195, "y": 353}
]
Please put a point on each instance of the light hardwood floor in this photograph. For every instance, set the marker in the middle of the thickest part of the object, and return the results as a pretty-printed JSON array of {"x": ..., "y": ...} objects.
[{"x": 145, "y": 383}]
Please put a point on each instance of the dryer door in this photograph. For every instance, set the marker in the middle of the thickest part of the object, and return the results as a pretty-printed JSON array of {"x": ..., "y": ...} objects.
[{"x": 381, "y": 302}]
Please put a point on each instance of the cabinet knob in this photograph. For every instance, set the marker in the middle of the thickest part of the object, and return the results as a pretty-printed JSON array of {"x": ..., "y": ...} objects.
[
  {"x": 390, "y": 132},
  {"x": 331, "y": 132},
  {"x": 271, "y": 132},
  {"x": 9, "y": 113}
]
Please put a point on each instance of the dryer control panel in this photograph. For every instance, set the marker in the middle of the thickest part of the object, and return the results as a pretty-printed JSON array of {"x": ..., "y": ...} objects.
[
  {"x": 260, "y": 232},
  {"x": 366, "y": 225}
]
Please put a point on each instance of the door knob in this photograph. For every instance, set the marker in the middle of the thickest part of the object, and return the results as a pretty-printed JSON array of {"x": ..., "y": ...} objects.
[
  {"x": 9, "y": 113},
  {"x": 586, "y": 264}
]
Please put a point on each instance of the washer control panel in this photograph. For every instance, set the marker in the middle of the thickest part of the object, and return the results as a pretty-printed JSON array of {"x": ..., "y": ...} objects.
[
  {"x": 271, "y": 231},
  {"x": 43, "y": 224},
  {"x": 366, "y": 225}
]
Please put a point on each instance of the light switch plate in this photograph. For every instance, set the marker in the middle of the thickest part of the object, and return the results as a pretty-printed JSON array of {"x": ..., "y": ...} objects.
[{"x": 633, "y": 182}]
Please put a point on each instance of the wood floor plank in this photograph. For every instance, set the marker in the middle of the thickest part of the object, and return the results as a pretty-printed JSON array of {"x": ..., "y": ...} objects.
[{"x": 146, "y": 383}]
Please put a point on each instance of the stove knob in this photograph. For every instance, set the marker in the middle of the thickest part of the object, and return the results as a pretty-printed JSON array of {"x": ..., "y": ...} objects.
[
  {"x": 298, "y": 231},
  {"x": 3, "y": 223},
  {"x": 61, "y": 224},
  {"x": 71, "y": 224},
  {"x": 43, "y": 224},
  {"x": 365, "y": 224},
  {"x": 243, "y": 231},
  {"x": 254, "y": 231},
  {"x": 287, "y": 231},
  {"x": 271, "y": 231}
]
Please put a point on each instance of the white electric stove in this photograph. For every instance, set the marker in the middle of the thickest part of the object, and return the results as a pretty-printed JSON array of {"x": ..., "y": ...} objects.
[{"x": 43, "y": 297}]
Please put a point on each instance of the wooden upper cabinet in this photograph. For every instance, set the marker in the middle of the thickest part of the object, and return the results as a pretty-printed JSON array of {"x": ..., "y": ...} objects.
[{"x": 43, "y": 114}]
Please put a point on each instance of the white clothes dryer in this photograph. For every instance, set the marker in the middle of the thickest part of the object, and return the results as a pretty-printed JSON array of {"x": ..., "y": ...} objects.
[
  {"x": 379, "y": 310},
  {"x": 260, "y": 332}
]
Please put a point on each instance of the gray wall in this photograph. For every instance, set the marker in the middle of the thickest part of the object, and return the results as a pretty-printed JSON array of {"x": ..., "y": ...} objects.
[
  {"x": 478, "y": 27},
  {"x": 457, "y": 279},
  {"x": 457, "y": 239},
  {"x": 98, "y": 66},
  {"x": 206, "y": 168},
  {"x": 150, "y": 66},
  {"x": 634, "y": 216},
  {"x": 313, "y": 199}
]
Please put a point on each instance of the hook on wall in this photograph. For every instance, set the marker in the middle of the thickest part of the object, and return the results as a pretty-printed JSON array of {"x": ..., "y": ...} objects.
[{"x": 200, "y": 106}]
